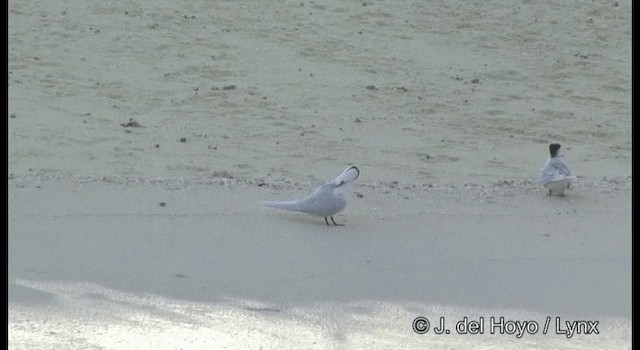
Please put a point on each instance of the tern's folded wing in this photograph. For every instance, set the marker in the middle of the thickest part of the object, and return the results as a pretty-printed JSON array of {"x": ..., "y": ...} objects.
[{"x": 286, "y": 205}]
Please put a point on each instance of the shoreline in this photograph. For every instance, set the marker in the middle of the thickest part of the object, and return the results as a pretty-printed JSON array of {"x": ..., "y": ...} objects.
[
  {"x": 214, "y": 266},
  {"x": 615, "y": 184}
]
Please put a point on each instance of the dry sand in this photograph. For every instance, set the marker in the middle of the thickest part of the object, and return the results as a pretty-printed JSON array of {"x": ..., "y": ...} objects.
[{"x": 446, "y": 107}]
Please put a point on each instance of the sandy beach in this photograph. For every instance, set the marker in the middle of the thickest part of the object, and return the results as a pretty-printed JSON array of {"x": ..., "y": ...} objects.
[{"x": 145, "y": 136}]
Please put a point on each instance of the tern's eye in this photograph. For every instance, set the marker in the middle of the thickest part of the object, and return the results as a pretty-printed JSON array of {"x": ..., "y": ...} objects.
[{"x": 340, "y": 183}]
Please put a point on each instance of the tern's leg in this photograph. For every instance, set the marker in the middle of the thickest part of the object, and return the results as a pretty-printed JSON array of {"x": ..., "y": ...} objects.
[
  {"x": 327, "y": 221},
  {"x": 335, "y": 222}
]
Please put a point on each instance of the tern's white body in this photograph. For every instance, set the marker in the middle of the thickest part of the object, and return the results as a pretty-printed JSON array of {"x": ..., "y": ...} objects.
[
  {"x": 559, "y": 185},
  {"x": 328, "y": 200},
  {"x": 555, "y": 175}
]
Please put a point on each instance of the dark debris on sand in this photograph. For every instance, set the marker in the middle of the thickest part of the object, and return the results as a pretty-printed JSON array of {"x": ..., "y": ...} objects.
[{"x": 131, "y": 124}]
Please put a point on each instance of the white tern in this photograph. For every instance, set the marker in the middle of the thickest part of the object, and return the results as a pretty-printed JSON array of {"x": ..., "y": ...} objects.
[{"x": 328, "y": 200}]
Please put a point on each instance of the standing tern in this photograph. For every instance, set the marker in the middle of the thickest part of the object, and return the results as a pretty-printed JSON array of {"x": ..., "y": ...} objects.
[
  {"x": 328, "y": 200},
  {"x": 555, "y": 175}
]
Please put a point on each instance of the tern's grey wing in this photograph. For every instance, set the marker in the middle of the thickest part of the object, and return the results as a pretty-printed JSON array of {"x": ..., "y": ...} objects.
[
  {"x": 304, "y": 205},
  {"x": 286, "y": 205},
  {"x": 323, "y": 202}
]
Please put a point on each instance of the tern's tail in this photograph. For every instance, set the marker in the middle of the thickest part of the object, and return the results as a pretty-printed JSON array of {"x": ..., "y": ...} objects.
[{"x": 286, "y": 205}]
